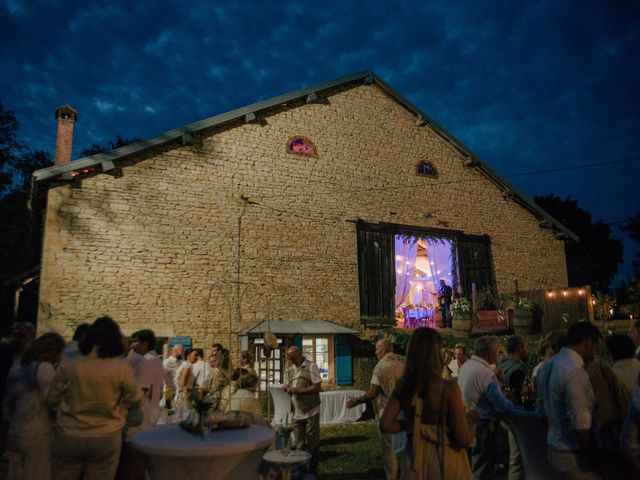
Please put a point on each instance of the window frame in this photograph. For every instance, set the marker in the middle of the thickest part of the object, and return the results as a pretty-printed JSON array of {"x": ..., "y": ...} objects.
[
  {"x": 376, "y": 269},
  {"x": 331, "y": 362}
]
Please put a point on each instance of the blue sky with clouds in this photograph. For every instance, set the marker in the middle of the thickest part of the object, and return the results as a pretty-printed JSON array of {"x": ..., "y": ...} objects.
[{"x": 527, "y": 86}]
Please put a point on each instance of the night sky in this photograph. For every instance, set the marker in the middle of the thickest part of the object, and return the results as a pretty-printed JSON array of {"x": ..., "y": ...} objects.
[{"x": 530, "y": 87}]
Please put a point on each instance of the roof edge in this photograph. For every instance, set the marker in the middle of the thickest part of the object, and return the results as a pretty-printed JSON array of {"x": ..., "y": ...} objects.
[{"x": 367, "y": 76}]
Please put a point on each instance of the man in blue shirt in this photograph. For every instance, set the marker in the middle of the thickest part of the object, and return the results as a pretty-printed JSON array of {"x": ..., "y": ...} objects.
[{"x": 565, "y": 396}]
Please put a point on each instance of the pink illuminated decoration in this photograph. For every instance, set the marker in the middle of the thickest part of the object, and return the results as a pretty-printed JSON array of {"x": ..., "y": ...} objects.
[{"x": 301, "y": 146}]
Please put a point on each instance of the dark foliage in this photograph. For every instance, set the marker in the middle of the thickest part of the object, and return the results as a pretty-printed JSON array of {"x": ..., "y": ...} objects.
[
  {"x": 19, "y": 250},
  {"x": 595, "y": 259},
  {"x": 628, "y": 295}
]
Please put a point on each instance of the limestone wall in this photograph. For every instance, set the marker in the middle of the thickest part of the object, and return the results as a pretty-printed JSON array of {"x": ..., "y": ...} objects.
[{"x": 157, "y": 246}]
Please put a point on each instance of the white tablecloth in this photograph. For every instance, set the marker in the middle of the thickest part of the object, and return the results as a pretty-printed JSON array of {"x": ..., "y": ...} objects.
[
  {"x": 170, "y": 452},
  {"x": 333, "y": 407}
]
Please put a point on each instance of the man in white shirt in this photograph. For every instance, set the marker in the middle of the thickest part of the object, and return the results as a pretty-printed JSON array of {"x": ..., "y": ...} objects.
[
  {"x": 170, "y": 365},
  {"x": 148, "y": 373},
  {"x": 625, "y": 364},
  {"x": 385, "y": 375},
  {"x": 202, "y": 371},
  {"x": 305, "y": 389},
  {"x": 481, "y": 390},
  {"x": 459, "y": 357},
  {"x": 566, "y": 398}
]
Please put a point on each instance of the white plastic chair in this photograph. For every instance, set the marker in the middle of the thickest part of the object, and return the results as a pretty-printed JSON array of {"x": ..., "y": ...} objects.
[{"x": 281, "y": 404}]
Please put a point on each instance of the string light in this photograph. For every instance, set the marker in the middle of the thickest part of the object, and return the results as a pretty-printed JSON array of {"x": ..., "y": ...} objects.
[{"x": 567, "y": 293}]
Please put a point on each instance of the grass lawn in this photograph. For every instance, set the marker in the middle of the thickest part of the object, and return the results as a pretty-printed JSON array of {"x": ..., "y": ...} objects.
[{"x": 350, "y": 451}]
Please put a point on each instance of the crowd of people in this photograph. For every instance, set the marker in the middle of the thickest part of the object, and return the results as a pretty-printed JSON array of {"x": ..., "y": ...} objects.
[
  {"x": 70, "y": 410},
  {"x": 452, "y": 406}
]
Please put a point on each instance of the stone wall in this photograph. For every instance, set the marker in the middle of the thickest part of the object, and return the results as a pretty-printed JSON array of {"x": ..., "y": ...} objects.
[{"x": 157, "y": 244}]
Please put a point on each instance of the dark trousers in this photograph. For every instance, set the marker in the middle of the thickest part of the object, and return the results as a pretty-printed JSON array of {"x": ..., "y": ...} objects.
[
  {"x": 306, "y": 434},
  {"x": 484, "y": 455},
  {"x": 446, "y": 316}
]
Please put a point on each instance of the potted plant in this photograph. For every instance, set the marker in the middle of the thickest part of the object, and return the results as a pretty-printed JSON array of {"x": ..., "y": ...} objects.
[
  {"x": 462, "y": 310},
  {"x": 490, "y": 309},
  {"x": 523, "y": 319}
]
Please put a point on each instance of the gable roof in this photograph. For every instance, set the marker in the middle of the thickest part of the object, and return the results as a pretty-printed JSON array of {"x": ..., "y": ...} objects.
[{"x": 105, "y": 160}]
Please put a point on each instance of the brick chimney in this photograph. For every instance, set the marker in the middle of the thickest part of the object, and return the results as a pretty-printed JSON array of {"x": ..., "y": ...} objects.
[{"x": 66, "y": 117}]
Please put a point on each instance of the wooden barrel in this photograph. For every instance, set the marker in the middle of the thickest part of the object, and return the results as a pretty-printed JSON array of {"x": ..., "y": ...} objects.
[
  {"x": 461, "y": 321},
  {"x": 523, "y": 321}
]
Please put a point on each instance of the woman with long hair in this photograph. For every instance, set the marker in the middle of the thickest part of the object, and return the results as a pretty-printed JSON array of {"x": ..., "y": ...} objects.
[
  {"x": 92, "y": 395},
  {"x": 436, "y": 424},
  {"x": 245, "y": 360},
  {"x": 222, "y": 379},
  {"x": 30, "y": 434},
  {"x": 185, "y": 382}
]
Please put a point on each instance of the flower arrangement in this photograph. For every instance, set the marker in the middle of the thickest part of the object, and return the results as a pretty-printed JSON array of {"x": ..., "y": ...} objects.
[
  {"x": 524, "y": 303},
  {"x": 200, "y": 400},
  {"x": 461, "y": 306}
]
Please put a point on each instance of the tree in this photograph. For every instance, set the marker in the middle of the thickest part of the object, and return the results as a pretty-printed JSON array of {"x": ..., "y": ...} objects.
[
  {"x": 16, "y": 164},
  {"x": 19, "y": 247},
  {"x": 594, "y": 260},
  {"x": 632, "y": 227},
  {"x": 10, "y": 148},
  {"x": 628, "y": 297},
  {"x": 19, "y": 235}
]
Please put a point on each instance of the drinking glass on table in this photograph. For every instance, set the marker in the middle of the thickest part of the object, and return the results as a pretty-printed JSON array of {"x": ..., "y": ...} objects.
[{"x": 294, "y": 444}]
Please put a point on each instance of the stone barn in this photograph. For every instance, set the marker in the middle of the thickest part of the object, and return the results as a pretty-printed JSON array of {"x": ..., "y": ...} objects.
[{"x": 317, "y": 215}]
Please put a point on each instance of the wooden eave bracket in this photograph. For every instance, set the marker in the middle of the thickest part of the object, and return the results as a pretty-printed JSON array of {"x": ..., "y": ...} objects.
[
  {"x": 469, "y": 162},
  {"x": 107, "y": 165},
  {"x": 546, "y": 224},
  {"x": 187, "y": 138}
]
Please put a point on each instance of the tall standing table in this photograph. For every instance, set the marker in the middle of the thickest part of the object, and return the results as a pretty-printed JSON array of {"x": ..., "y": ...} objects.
[{"x": 171, "y": 452}]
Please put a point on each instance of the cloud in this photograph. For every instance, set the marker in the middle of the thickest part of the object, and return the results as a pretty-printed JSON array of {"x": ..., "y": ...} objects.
[
  {"x": 106, "y": 107},
  {"x": 157, "y": 46},
  {"x": 547, "y": 83}
]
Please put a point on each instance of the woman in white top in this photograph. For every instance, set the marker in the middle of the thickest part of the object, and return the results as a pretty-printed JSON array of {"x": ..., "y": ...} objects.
[
  {"x": 185, "y": 381},
  {"x": 30, "y": 434}
]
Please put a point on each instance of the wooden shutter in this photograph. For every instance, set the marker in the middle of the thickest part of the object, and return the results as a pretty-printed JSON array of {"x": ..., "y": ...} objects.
[
  {"x": 474, "y": 255},
  {"x": 344, "y": 370},
  {"x": 376, "y": 275}
]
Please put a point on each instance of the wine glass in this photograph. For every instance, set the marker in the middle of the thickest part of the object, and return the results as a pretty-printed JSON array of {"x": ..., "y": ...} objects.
[{"x": 294, "y": 444}]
